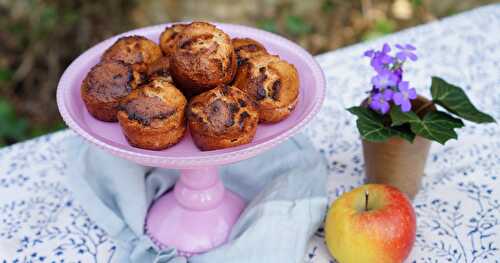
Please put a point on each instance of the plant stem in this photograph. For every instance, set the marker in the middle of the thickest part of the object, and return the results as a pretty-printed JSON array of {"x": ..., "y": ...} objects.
[
  {"x": 366, "y": 200},
  {"x": 424, "y": 106}
]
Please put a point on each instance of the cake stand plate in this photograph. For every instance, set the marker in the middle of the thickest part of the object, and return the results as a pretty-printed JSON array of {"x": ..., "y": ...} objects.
[{"x": 199, "y": 213}]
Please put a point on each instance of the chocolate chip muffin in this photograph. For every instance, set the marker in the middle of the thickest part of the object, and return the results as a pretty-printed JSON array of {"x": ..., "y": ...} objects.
[
  {"x": 222, "y": 117},
  {"x": 273, "y": 83},
  {"x": 169, "y": 38},
  {"x": 203, "y": 58},
  {"x": 104, "y": 87},
  {"x": 152, "y": 117},
  {"x": 246, "y": 48},
  {"x": 135, "y": 50}
]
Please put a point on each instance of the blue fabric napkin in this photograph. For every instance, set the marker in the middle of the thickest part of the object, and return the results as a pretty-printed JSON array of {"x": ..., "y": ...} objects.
[{"x": 285, "y": 189}]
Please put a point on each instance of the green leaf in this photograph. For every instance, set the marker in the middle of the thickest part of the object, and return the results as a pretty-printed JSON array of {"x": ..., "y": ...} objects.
[
  {"x": 371, "y": 125},
  {"x": 416, "y": 3},
  {"x": 405, "y": 132},
  {"x": 436, "y": 125},
  {"x": 456, "y": 101},
  {"x": 268, "y": 25},
  {"x": 6, "y": 74},
  {"x": 12, "y": 126},
  {"x": 399, "y": 118},
  {"x": 297, "y": 26},
  {"x": 327, "y": 6},
  {"x": 382, "y": 27}
]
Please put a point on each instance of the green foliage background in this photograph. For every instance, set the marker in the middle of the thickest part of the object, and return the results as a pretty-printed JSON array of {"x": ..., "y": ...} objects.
[{"x": 39, "y": 38}]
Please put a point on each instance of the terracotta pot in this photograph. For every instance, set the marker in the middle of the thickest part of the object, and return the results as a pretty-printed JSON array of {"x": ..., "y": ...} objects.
[{"x": 398, "y": 162}]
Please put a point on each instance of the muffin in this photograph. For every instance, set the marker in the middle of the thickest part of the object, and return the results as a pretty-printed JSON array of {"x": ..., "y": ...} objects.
[
  {"x": 222, "y": 117},
  {"x": 203, "y": 58},
  {"x": 246, "y": 48},
  {"x": 152, "y": 117},
  {"x": 160, "y": 69},
  {"x": 169, "y": 37},
  {"x": 135, "y": 50},
  {"x": 104, "y": 87},
  {"x": 271, "y": 82}
]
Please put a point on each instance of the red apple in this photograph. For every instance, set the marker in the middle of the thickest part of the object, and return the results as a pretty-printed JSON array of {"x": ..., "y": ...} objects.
[{"x": 373, "y": 223}]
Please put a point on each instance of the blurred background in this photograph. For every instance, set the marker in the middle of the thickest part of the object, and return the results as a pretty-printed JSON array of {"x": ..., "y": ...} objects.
[{"x": 39, "y": 38}]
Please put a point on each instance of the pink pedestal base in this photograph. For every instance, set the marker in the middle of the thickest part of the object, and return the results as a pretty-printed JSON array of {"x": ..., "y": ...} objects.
[{"x": 196, "y": 216}]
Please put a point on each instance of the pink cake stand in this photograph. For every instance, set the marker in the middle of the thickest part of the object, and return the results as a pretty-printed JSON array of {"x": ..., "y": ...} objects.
[{"x": 199, "y": 213}]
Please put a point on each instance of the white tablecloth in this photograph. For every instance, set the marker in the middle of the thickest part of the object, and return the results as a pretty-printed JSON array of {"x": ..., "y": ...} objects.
[{"x": 458, "y": 210}]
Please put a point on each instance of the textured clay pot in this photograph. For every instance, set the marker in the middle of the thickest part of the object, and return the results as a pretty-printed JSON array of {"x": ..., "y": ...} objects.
[{"x": 398, "y": 162}]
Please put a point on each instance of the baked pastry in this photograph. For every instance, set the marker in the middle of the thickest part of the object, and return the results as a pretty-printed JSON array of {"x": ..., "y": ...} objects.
[
  {"x": 203, "y": 58},
  {"x": 273, "y": 83},
  {"x": 135, "y": 50},
  {"x": 152, "y": 117},
  {"x": 160, "y": 69},
  {"x": 222, "y": 117},
  {"x": 169, "y": 37},
  {"x": 246, "y": 48},
  {"x": 105, "y": 85}
]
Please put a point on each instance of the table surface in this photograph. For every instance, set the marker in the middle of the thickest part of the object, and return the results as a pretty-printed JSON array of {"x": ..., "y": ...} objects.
[{"x": 458, "y": 209}]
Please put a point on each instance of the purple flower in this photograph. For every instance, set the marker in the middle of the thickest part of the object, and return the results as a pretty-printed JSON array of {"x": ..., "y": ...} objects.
[
  {"x": 403, "y": 97},
  {"x": 379, "y": 103},
  {"x": 385, "y": 79},
  {"x": 406, "y": 52},
  {"x": 380, "y": 60}
]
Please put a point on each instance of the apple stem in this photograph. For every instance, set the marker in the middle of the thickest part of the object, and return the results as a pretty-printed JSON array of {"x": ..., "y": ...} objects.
[{"x": 366, "y": 200}]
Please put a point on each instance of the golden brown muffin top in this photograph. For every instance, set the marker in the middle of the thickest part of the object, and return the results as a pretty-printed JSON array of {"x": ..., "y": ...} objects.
[
  {"x": 222, "y": 110},
  {"x": 157, "y": 100},
  {"x": 271, "y": 81},
  {"x": 204, "y": 51},
  {"x": 169, "y": 38},
  {"x": 246, "y": 48},
  {"x": 133, "y": 50},
  {"x": 108, "y": 81}
]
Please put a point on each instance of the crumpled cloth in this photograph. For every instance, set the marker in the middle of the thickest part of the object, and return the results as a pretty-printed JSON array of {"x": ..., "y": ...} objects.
[{"x": 285, "y": 190}]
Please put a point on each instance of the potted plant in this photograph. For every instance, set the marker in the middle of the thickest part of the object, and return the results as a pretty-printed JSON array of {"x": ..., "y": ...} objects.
[{"x": 397, "y": 125}]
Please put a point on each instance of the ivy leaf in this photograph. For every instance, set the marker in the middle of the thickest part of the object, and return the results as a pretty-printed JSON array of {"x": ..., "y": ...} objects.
[
  {"x": 436, "y": 125},
  {"x": 399, "y": 117},
  {"x": 456, "y": 101},
  {"x": 371, "y": 126},
  {"x": 405, "y": 132}
]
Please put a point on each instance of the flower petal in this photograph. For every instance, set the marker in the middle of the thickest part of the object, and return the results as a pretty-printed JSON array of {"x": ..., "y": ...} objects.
[
  {"x": 384, "y": 107},
  {"x": 375, "y": 101},
  {"x": 393, "y": 80},
  {"x": 406, "y": 106},
  {"x": 401, "y": 56},
  {"x": 410, "y": 47},
  {"x": 398, "y": 98},
  {"x": 387, "y": 94},
  {"x": 412, "y": 94},
  {"x": 374, "y": 105},
  {"x": 412, "y": 56},
  {"x": 376, "y": 81},
  {"x": 386, "y": 48},
  {"x": 403, "y": 85}
]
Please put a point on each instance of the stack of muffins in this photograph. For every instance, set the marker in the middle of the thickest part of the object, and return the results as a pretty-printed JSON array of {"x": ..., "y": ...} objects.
[{"x": 198, "y": 77}]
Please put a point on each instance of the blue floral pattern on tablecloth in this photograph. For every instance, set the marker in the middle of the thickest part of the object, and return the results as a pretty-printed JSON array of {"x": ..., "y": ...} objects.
[{"x": 458, "y": 209}]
